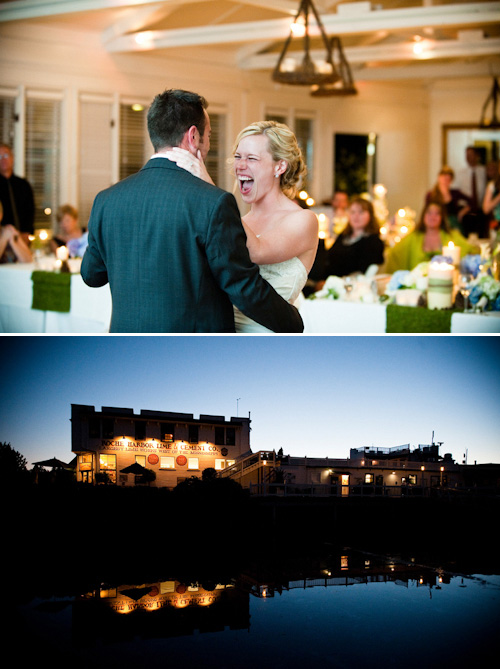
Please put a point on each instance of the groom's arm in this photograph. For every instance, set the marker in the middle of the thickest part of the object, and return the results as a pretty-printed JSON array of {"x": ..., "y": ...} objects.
[
  {"x": 239, "y": 277},
  {"x": 93, "y": 270}
]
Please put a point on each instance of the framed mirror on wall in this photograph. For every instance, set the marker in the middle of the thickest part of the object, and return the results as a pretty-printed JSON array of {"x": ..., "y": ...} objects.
[
  {"x": 355, "y": 169},
  {"x": 457, "y": 137}
]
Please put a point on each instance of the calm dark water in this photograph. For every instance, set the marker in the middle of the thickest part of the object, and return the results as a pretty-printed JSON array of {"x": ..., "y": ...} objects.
[{"x": 342, "y": 609}]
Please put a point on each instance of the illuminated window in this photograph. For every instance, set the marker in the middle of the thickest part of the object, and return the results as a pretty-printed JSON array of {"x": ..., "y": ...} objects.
[
  {"x": 409, "y": 480},
  {"x": 219, "y": 464},
  {"x": 230, "y": 463},
  {"x": 168, "y": 432},
  {"x": 107, "y": 462},
  {"x": 193, "y": 463},
  {"x": 369, "y": 478},
  {"x": 167, "y": 462},
  {"x": 141, "y": 460}
]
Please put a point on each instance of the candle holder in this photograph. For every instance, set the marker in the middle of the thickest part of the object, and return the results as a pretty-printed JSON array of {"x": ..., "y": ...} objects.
[{"x": 440, "y": 283}]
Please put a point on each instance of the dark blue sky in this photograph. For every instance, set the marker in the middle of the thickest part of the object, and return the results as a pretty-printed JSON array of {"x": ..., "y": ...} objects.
[{"x": 315, "y": 396}]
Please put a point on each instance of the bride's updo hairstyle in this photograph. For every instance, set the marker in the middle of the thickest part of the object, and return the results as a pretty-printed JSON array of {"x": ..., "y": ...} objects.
[{"x": 282, "y": 145}]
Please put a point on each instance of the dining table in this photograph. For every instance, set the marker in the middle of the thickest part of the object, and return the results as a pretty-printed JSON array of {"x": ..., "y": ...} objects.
[
  {"x": 328, "y": 316},
  {"x": 90, "y": 312}
]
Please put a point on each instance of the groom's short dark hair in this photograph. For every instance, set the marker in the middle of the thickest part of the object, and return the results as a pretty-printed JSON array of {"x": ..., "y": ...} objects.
[{"x": 172, "y": 113}]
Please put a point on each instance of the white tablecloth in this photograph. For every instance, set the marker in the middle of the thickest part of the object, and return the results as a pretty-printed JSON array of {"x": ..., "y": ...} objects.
[
  {"x": 90, "y": 307},
  {"x": 335, "y": 316},
  {"x": 338, "y": 317}
]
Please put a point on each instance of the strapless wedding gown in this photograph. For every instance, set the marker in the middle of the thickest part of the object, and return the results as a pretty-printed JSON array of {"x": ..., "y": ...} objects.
[{"x": 287, "y": 278}]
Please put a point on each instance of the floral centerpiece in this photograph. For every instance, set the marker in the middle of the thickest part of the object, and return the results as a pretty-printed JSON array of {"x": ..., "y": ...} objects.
[
  {"x": 471, "y": 264},
  {"x": 359, "y": 288},
  {"x": 406, "y": 287},
  {"x": 485, "y": 293}
]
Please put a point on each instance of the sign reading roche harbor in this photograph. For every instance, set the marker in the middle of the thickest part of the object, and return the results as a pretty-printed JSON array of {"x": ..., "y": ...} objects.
[{"x": 158, "y": 446}]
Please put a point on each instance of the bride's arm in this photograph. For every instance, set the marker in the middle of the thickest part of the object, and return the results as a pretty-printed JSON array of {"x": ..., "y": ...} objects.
[{"x": 190, "y": 163}]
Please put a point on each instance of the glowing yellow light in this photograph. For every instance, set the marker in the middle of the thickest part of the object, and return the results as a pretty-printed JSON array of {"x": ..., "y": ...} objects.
[
  {"x": 403, "y": 230},
  {"x": 379, "y": 190},
  {"x": 303, "y": 195},
  {"x": 298, "y": 28},
  {"x": 47, "y": 211},
  {"x": 401, "y": 213},
  {"x": 44, "y": 235},
  {"x": 322, "y": 234},
  {"x": 144, "y": 38},
  {"x": 137, "y": 107},
  {"x": 383, "y": 230},
  {"x": 310, "y": 201}
]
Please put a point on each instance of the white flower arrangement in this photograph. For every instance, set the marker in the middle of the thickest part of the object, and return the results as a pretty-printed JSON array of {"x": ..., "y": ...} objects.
[{"x": 359, "y": 288}]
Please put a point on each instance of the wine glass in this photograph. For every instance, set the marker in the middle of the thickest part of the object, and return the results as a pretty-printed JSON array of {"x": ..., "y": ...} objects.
[{"x": 464, "y": 281}]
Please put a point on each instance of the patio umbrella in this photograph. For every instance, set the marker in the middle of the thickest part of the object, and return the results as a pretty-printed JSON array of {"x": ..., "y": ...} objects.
[
  {"x": 54, "y": 463},
  {"x": 136, "y": 468}
]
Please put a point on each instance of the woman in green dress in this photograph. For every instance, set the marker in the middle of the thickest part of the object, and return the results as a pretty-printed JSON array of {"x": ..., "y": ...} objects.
[{"x": 427, "y": 240}]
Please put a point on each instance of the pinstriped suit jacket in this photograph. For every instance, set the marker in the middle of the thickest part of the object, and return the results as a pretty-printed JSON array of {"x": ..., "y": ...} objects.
[{"x": 173, "y": 250}]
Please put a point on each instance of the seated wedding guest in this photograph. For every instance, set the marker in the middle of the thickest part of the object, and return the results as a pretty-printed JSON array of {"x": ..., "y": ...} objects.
[
  {"x": 491, "y": 202},
  {"x": 359, "y": 245},
  {"x": 16, "y": 196},
  {"x": 340, "y": 205},
  {"x": 12, "y": 245},
  {"x": 427, "y": 240},
  {"x": 456, "y": 202},
  {"x": 70, "y": 233}
]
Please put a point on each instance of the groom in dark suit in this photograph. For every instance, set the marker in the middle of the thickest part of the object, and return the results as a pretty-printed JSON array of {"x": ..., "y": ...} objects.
[{"x": 172, "y": 246}]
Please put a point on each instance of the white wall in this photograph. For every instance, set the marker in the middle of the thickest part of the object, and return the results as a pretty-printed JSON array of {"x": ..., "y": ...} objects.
[{"x": 406, "y": 118}]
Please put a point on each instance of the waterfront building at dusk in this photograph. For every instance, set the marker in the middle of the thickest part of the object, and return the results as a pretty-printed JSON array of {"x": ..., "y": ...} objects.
[
  {"x": 163, "y": 448},
  {"x": 174, "y": 446}
]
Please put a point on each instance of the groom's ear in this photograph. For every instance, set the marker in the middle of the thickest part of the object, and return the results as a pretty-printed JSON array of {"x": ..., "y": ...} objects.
[{"x": 192, "y": 138}]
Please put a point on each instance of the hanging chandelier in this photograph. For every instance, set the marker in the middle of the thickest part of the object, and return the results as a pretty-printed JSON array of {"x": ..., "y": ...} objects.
[
  {"x": 344, "y": 84},
  {"x": 493, "y": 96},
  {"x": 305, "y": 72}
]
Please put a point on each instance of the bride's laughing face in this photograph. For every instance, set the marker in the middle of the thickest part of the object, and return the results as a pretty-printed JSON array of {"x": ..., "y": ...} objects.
[{"x": 254, "y": 168}]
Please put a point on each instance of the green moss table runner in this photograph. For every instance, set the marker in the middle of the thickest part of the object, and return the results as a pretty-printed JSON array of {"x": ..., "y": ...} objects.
[
  {"x": 417, "y": 319},
  {"x": 51, "y": 291}
]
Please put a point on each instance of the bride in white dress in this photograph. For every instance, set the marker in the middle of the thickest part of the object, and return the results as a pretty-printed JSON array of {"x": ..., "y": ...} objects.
[{"x": 282, "y": 238}]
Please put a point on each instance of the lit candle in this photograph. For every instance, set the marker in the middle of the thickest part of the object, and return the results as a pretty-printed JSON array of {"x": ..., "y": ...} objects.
[
  {"x": 62, "y": 253},
  {"x": 453, "y": 252},
  {"x": 440, "y": 285}
]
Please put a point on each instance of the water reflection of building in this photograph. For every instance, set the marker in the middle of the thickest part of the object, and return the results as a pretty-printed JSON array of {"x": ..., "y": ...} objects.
[
  {"x": 172, "y": 445},
  {"x": 162, "y": 609},
  {"x": 347, "y": 568},
  {"x": 172, "y": 609}
]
